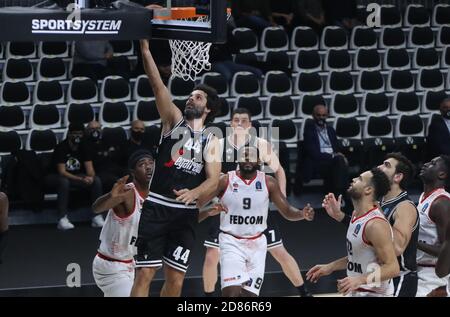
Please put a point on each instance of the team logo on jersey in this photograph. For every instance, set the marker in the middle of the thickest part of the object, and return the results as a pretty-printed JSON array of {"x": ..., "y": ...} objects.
[
  {"x": 235, "y": 187},
  {"x": 258, "y": 186},
  {"x": 72, "y": 164},
  {"x": 425, "y": 207},
  {"x": 358, "y": 227}
]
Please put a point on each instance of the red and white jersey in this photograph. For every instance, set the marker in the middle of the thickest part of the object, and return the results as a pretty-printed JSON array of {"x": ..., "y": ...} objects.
[
  {"x": 362, "y": 258},
  {"x": 247, "y": 202},
  {"x": 118, "y": 236},
  {"x": 427, "y": 228}
]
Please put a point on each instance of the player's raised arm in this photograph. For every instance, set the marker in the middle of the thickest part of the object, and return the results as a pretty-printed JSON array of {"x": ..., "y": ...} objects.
[
  {"x": 287, "y": 211},
  {"x": 269, "y": 157},
  {"x": 168, "y": 112}
]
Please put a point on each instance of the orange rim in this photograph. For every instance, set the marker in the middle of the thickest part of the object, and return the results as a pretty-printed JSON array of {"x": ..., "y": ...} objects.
[{"x": 177, "y": 13}]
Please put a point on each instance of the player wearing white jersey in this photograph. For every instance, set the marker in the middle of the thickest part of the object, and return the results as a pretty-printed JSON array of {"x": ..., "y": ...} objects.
[
  {"x": 443, "y": 262},
  {"x": 113, "y": 266},
  {"x": 245, "y": 195},
  {"x": 434, "y": 212},
  {"x": 370, "y": 262}
]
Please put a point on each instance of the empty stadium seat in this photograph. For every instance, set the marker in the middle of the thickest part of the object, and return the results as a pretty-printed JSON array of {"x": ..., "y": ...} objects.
[
  {"x": 51, "y": 68},
  {"x": 375, "y": 104},
  {"x": 390, "y": 16},
  {"x": 217, "y": 81},
  {"x": 280, "y": 107},
  {"x": 416, "y": 14},
  {"x": 10, "y": 142},
  {"x": 421, "y": 36},
  {"x": 224, "y": 111},
  {"x": 283, "y": 130},
  {"x": 363, "y": 37},
  {"x": 146, "y": 111},
  {"x": 367, "y": 59},
  {"x": 425, "y": 57},
  {"x": 115, "y": 137},
  {"x": 14, "y": 93},
  {"x": 371, "y": 81},
  {"x": 142, "y": 88},
  {"x": 307, "y": 61},
  {"x": 441, "y": 14},
  {"x": 443, "y": 36},
  {"x": 78, "y": 112},
  {"x": 432, "y": 100},
  {"x": 122, "y": 48},
  {"x": 44, "y": 116},
  {"x": 303, "y": 37},
  {"x": 344, "y": 106},
  {"x": 306, "y": 104},
  {"x": 115, "y": 89},
  {"x": 12, "y": 118},
  {"x": 82, "y": 90},
  {"x": 400, "y": 80},
  {"x": 445, "y": 58},
  {"x": 392, "y": 37},
  {"x": 277, "y": 60},
  {"x": 396, "y": 58},
  {"x": 41, "y": 141},
  {"x": 430, "y": 79},
  {"x": 48, "y": 91},
  {"x": 252, "y": 104},
  {"x": 274, "y": 38},
  {"x": 18, "y": 69},
  {"x": 334, "y": 37},
  {"x": 405, "y": 103},
  {"x": 20, "y": 50},
  {"x": 53, "y": 49},
  {"x": 245, "y": 83},
  {"x": 278, "y": 83},
  {"x": 308, "y": 83},
  {"x": 340, "y": 82},
  {"x": 338, "y": 60},
  {"x": 246, "y": 40},
  {"x": 113, "y": 114}
]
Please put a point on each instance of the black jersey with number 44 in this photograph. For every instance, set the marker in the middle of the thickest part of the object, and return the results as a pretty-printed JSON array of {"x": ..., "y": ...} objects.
[{"x": 180, "y": 164}]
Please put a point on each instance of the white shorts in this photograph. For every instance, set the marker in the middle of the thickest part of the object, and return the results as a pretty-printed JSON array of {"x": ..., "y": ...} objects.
[
  {"x": 115, "y": 279},
  {"x": 242, "y": 262},
  {"x": 428, "y": 281}
]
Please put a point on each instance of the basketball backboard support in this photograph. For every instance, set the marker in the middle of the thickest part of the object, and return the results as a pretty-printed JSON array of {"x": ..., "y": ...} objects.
[{"x": 120, "y": 20}]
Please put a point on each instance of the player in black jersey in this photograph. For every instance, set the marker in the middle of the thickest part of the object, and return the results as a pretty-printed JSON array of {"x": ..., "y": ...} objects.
[
  {"x": 231, "y": 145},
  {"x": 4, "y": 205},
  {"x": 403, "y": 216},
  {"x": 186, "y": 175}
]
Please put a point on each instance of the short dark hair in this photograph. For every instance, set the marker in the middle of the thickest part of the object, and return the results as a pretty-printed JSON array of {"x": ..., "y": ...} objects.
[
  {"x": 404, "y": 166},
  {"x": 212, "y": 101},
  {"x": 446, "y": 160},
  {"x": 380, "y": 183},
  {"x": 241, "y": 111},
  {"x": 76, "y": 126},
  {"x": 138, "y": 155}
]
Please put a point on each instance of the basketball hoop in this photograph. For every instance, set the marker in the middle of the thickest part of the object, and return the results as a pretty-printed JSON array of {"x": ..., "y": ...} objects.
[{"x": 189, "y": 58}]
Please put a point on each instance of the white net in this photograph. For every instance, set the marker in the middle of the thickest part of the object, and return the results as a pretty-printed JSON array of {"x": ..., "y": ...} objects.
[{"x": 189, "y": 58}]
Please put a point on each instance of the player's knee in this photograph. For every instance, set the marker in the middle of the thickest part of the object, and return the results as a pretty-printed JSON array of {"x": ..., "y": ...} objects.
[
  {"x": 144, "y": 275},
  {"x": 175, "y": 279}
]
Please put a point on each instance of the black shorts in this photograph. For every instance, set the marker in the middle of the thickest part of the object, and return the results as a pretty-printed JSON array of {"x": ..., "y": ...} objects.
[
  {"x": 272, "y": 232},
  {"x": 165, "y": 234},
  {"x": 406, "y": 285}
]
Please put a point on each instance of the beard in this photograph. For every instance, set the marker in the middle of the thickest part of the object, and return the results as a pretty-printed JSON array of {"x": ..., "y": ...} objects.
[
  {"x": 193, "y": 113},
  {"x": 249, "y": 170},
  {"x": 353, "y": 194}
]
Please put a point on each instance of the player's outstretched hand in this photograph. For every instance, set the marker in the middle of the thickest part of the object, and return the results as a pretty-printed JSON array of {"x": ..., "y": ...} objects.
[
  {"x": 314, "y": 274},
  {"x": 308, "y": 212},
  {"x": 348, "y": 284},
  {"x": 217, "y": 209},
  {"x": 333, "y": 206},
  {"x": 186, "y": 196},
  {"x": 120, "y": 187}
]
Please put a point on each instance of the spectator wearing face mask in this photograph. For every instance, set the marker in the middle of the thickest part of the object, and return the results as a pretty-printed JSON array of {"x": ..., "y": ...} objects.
[
  {"x": 136, "y": 140},
  {"x": 439, "y": 131},
  {"x": 75, "y": 170},
  {"x": 321, "y": 158},
  {"x": 105, "y": 157}
]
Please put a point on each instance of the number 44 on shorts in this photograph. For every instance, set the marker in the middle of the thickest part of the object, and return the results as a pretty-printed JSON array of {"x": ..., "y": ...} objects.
[{"x": 179, "y": 254}]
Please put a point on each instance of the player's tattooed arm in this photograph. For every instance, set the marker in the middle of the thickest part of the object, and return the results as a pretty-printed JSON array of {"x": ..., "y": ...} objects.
[{"x": 287, "y": 211}]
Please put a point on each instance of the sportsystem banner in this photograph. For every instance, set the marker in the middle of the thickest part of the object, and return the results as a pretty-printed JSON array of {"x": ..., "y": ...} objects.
[{"x": 123, "y": 21}]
